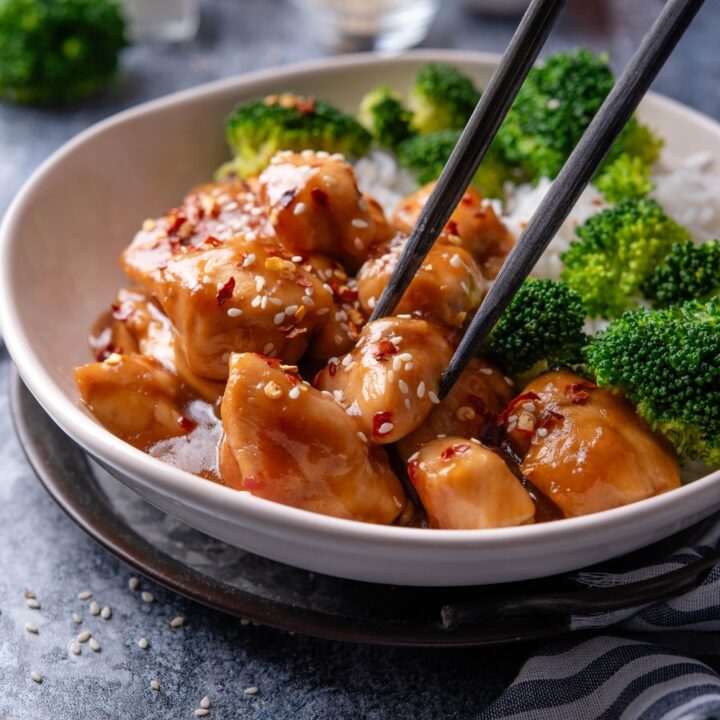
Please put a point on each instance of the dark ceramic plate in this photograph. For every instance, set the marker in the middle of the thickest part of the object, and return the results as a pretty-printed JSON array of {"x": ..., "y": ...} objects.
[{"x": 248, "y": 586}]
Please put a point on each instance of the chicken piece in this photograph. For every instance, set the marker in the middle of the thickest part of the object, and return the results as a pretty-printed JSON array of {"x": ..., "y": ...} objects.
[
  {"x": 136, "y": 325},
  {"x": 388, "y": 383},
  {"x": 240, "y": 295},
  {"x": 217, "y": 210},
  {"x": 315, "y": 207},
  {"x": 465, "y": 486},
  {"x": 343, "y": 323},
  {"x": 287, "y": 442},
  {"x": 474, "y": 222},
  {"x": 448, "y": 287},
  {"x": 586, "y": 448},
  {"x": 134, "y": 397},
  {"x": 469, "y": 410}
]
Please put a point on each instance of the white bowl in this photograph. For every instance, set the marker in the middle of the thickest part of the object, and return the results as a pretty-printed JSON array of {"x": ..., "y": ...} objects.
[{"x": 59, "y": 247}]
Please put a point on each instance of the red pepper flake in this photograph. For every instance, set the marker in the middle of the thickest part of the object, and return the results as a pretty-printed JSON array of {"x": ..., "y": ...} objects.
[
  {"x": 332, "y": 368},
  {"x": 379, "y": 419},
  {"x": 287, "y": 197},
  {"x": 177, "y": 220},
  {"x": 412, "y": 470},
  {"x": 187, "y": 424},
  {"x": 303, "y": 281},
  {"x": 250, "y": 482},
  {"x": 466, "y": 199},
  {"x": 450, "y": 452},
  {"x": 305, "y": 105},
  {"x": 296, "y": 332},
  {"x": 514, "y": 403},
  {"x": 319, "y": 196},
  {"x": 522, "y": 431},
  {"x": 383, "y": 349},
  {"x": 348, "y": 294},
  {"x": 212, "y": 240},
  {"x": 122, "y": 311},
  {"x": 225, "y": 292},
  {"x": 271, "y": 362},
  {"x": 480, "y": 214},
  {"x": 549, "y": 418},
  {"x": 452, "y": 227},
  {"x": 579, "y": 392},
  {"x": 477, "y": 404},
  {"x": 107, "y": 351}
]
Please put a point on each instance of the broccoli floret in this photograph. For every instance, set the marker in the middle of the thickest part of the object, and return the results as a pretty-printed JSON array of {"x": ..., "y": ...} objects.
[
  {"x": 689, "y": 272},
  {"x": 384, "y": 115},
  {"x": 442, "y": 97},
  {"x": 58, "y": 51},
  {"x": 542, "y": 326},
  {"x": 550, "y": 113},
  {"x": 615, "y": 253},
  {"x": 638, "y": 141},
  {"x": 626, "y": 177},
  {"x": 666, "y": 362},
  {"x": 425, "y": 156},
  {"x": 259, "y": 128}
]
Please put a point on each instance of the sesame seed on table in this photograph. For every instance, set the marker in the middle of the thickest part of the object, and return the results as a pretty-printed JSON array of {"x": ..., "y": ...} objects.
[{"x": 153, "y": 651}]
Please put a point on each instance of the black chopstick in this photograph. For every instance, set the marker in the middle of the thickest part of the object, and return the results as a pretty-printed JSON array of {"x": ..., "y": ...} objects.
[
  {"x": 575, "y": 175},
  {"x": 494, "y": 103}
]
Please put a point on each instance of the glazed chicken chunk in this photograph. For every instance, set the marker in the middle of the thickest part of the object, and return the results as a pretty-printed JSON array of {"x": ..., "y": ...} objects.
[
  {"x": 465, "y": 486},
  {"x": 448, "y": 287},
  {"x": 242, "y": 294},
  {"x": 474, "y": 223},
  {"x": 287, "y": 442},
  {"x": 388, "y": 383},
  {"x": 585, "y": 447},
  {"x": 135, "y": 397},
  {"x": 315, "y": 206}
]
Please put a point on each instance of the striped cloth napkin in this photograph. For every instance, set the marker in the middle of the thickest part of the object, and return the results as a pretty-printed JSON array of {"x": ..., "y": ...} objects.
[{"x": 640, "y": 667}]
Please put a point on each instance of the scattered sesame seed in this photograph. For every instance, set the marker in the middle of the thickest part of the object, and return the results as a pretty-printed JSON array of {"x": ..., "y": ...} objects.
[
  {"x": 272, "y": 390},
  {"x": 297, "y": 258},
  {"x": 294, "y": 393},
  {"x": 147, "y": 597},
  {"x": 441, "y": 435},
  {"x": 31, "y": 628},
  {"x": 143, "y": 644},
  {"x": 94, "y": 608},
  {"x": 249, "y": 260},
  {"x": 404, "y": 389},
  {"x": 408, "y": 405},
  {"x": 84, "y": 595},
  {"x": 409, "y": 366},
  {"x": 94, "y": 645},
  {"x": 155, "y": 685},
  {"x": 509, "y": 381},
  {"x": 542, "y": 432},
  {"x": 291, "y": 309},
  {"x": 323, "y": 311},
  {"x": 255, "y": 302},
  {"x": 29, "y": 594},
  {"x": 33, "y": 603},
  {"x": 362, "y": 436},
  {"x": 205, "y": 702},
  {"x": 358, "y": 243},
  {"x": 512, "y": 418},
  {"x": 553, "y": 104},
  {"x": 299, "y": 209},
  {"x": 202, "y": 712},
  {"x": 358, "y": 223},
  {"x": 38, "y": 678},
  {"x": 234, "y": 312},
  {"x": 486, "y": 371},
  {"x": 413, "y": 457},
  {"x": 263, "y": 302},
  {"x": 511, "y": 427},
  {"x": 530, "y": 407},
  {"x": 106, "y": 613},
  {"x": 84, "y": 636},
  {"x": 259, "y": 283},
  {"x": 244, "y": 621},
  {"x": 251, "y": 691},
  {"x": 421, "y": 389},
  {"x": 269, "y": 347},
  {"x": 77, "y": 618},
  {"x": 75, "y": 648},
  {"x": 433, "y": 397},
  {"x": 371, "y": 302},
  {"x": 455, "y": 260},
  {"x": 279, "y": 318},
  {"x": 385, "y": 428},
  {"x": 177, "y": 622}
]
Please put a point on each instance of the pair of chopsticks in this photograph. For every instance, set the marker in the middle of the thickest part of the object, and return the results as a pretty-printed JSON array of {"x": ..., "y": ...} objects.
[{"x": 575, "y": 175}]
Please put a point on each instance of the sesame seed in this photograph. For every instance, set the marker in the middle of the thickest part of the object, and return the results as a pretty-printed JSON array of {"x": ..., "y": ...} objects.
[
  {"x": 38, "y": 678},
  {"x": 323, "y": 311},
  {"x": 413, "y": 457},
  {"x": 294, "y": 393},
  {"x": 249, "y": 260},
  {"x": 31, "y": 628},
  {"x": 251, "y": 691},
  {"x": 33, "y": 603},
  {"x": 530, "y": 407},
  {"x": 433, "y": 397},
  {"x": 397, "y": 363},
  {"x": 234, "y": 312},
  {"x": 307, "y": 300},
  {"x": 486, "y": 371},
  {"x": 84, "y": 636},
  {"x": 347, "y": 360},
  {"x": 77, "y": 618},
  {"x": 362, "y": 436},
  {"x": 202, "y": 712},
  {"x": 358, "y": 223},
  {"x": 455, "y": 260},
  {"x": 409, "y": 366},
  {"x": 512, "y": 418},
  {"x": 291, "y": 309},
  {"x": 272, "y": 390},
  {"x": 255, "y": 302},
  {"x": 509, "y": 381},
  {"x": 421, "y": 389},
  {"x": 396, "y": 340},
  {"x": 385, "y": 428},
  {"x": 147, "y": 597},
  {"x": 441, "y": 435},
  {"x": 106, "y": 613},
  {"x": 29, "y": 594},
  {"x": 391, "y": 376},
  {"x": 155, "y": 685},
  {"x": 371, "y": 302},
  {"x": 404, "y": 389},
  {"x": 84, "y": 595},
  {"x": 408, "y": 405},
  {"x": 259, "y": 283},
  {"x": 297, "y": 258},
  {"x": 511, "y": 427},
  {"x": 269, "y": 347},
  {"x": 263, "y": 302},
  {"x": 177, "y": 622},
  {"x": 94, "y": 608},
  {"x": 553, "y": 104},
  {"x": 205, "y": 702},
  {"x": 143, "y": 644},
  {"x": 279, "y": 318},
  {"x": 94, "y": 645},
  {"x": 299, "y": 209},
  {"x": 133, "y": 583},
  {"x": 75, "y": 648}
]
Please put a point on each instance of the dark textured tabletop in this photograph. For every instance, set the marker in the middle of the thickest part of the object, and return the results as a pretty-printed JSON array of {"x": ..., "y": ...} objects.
[{"x": 41, "y": 550}]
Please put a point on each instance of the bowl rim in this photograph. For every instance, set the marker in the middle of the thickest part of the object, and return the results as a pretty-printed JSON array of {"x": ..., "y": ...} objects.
[{"x": 237, "y": 505}]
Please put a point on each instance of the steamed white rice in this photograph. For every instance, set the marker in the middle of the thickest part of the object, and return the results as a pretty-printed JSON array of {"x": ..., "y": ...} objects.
[{"x": 689, "y": 193}]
